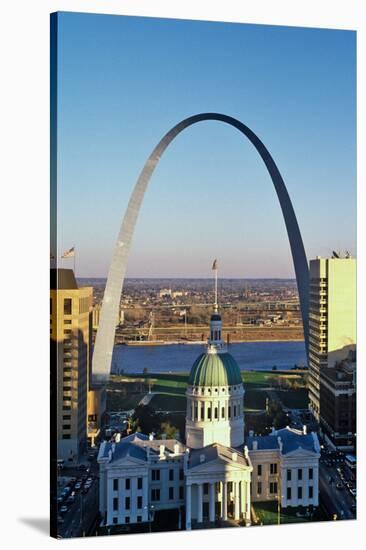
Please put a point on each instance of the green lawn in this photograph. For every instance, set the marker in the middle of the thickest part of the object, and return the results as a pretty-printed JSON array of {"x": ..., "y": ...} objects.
[
  {"x": 267, "y": 514},
  {"x": 172, "y": 388}
]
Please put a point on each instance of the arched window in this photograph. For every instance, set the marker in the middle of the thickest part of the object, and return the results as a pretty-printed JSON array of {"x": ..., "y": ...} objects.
[
  {"x": 216, "y": 413},
  {"x": 209, "y": 413},
  {"x": 222, "y": 412},
  {"x": 229, "y": 412}
]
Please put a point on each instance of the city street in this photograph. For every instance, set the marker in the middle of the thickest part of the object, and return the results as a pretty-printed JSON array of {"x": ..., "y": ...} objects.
[
  {"x": 80, "y": 517},
  {"x": 336, "y": 501}
]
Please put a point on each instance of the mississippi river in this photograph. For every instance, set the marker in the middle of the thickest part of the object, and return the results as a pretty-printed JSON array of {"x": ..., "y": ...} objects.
[{"x": 180, "y": 357}]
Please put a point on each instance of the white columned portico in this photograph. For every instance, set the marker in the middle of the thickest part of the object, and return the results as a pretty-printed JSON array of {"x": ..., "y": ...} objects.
[
  {"x": 224, "y": 501},
  {"x": 188, "y": 507},
  {"x": 236, "y": 500},
  {"x": 247, "y": 514},
  {"x": 242, "y": 498},
  {"x": 200, "y": 503},
  {"x": 212, "y": 501}
]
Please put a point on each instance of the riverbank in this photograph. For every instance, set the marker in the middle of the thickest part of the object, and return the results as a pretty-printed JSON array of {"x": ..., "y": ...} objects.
[{"x": 198, "y": 342}]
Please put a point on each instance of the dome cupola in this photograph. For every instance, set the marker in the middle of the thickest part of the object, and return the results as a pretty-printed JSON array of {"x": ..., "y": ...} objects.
[{"x": 215, "y": 391}]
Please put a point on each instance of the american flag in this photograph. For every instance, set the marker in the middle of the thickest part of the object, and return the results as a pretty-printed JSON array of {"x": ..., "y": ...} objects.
[
  {"x": 69, "y": 253},
  {"x": 214, "y": 266}
]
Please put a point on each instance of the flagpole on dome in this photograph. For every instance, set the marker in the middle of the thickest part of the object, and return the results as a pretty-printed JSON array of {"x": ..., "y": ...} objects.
[{"x": 214, "y": 268}]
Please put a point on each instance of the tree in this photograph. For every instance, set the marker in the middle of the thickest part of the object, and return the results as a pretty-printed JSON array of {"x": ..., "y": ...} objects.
[
  {"x": 146, "y": 418},
  {"x": 169, "y": 430}
]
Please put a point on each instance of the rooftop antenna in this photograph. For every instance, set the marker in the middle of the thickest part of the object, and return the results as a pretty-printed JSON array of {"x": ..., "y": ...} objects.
[{"x": 214, "y": 268}]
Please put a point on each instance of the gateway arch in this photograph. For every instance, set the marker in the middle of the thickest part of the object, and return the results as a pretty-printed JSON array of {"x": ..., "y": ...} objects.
[{"x": 102, "y": 355}]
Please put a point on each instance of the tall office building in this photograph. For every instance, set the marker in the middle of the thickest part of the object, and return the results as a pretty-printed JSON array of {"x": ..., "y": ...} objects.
[
  {"x": 332, "y": 319},
  {"x": 71, "y": 330}
]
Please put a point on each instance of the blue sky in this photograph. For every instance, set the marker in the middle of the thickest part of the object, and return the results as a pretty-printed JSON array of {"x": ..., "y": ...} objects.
[{"x": 123, "y": 82}]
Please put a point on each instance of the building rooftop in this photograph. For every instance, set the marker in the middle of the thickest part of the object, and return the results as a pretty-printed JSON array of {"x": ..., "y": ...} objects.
[
  {"x": 214, "y": 451},
  {"x": 136, "y": 445},
  {"x": 62, "y": 279},
  {"x": 215, "y": 370},
  {"x": 290, "y": 439}
]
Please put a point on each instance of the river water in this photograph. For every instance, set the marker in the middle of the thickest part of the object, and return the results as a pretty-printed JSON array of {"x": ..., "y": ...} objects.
[{"x": 180, "y": 357}]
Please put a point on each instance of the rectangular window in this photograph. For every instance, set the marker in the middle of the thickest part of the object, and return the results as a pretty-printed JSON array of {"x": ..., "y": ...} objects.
[
  {"x": 205, "y": 488},
  {"x": 299, "y": 474},
  {"x": 209, "y": 413},
  {"x": 181, "y": 492},
  {"x": 288, "y": 493},
  {"x": 66, "y": 417},
  {"x": 181, "y": 474},
  {"x": 67, "y": 321},
  {"x": 171, "y": 493},
  {"x": 66, "y": 436},
  {"x": 66, "y": 427},
  {"x": 115, "y": 520},
  {"x": 216, "y": 413},
  {"x": 66, "y": 408},
  {"x": 139, "y": 483},
  {"x": 139, "y": 503},
  {"x": 171, "y": 475},
  {"x": 128, "y": 484},
  {"x": 288, "y": 475},
  {"x": 310, "y": 473},
  {"x": 155, "y": 475},
  {"x": 67, "y": 306},
  {"x": 259, "y": 469},
  {"x": 115, "y": 485},
  {"x": 127, "y": 519},
  {"x": 310, "y": 492},
  {"x": 299, "y": 493},
  {"x": 273, "y": 469},
  {"x": 155, "y": 494},
  {"x": 273, "y": 488},
  {"x": 139, "y": 519},
  {"x": 67, "y": 331},
  {"x": 222, "y": 412},
  {"x": 259, "y": 488},
  {"x": 115, "y": 504},
  {"x": 127, "y": 503}
]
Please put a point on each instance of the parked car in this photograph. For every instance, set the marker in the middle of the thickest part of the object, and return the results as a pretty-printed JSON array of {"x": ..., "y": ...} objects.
[
  {"x": 353, "y": 492},
  {"x": 63, "y": 509},
  {"x": 60, "y": 519},
  {"x": 78, "y": 486},
  {"x": 82, "y": 467},
  {"x": 339, "y": 485}
]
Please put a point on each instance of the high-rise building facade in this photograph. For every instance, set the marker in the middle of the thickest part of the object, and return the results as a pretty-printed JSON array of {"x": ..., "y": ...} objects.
[
  {"x": 338, "y": 404},
  {"x": 332, "y": 319},
  {"x": 71, "y": 330}
]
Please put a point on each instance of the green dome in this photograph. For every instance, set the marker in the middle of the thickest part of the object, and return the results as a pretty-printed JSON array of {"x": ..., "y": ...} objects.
[{"x": 211, "y": 369}]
